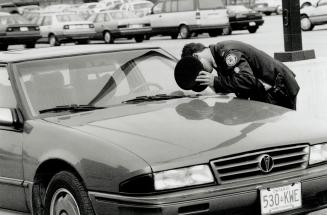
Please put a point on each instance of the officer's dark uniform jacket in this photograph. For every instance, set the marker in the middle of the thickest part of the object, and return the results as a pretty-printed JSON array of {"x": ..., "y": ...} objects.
[{"x": 253, "y": 74}]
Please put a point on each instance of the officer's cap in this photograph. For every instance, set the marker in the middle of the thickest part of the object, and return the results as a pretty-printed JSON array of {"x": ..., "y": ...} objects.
[{"x": 186, "y": 71}]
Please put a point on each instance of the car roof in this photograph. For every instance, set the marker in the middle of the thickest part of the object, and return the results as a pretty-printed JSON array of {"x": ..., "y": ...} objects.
[{"x": 53, "y": 52}]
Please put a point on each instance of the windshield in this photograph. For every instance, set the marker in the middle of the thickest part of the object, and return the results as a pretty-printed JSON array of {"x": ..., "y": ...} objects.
[
  {"x": 101, "y": 80},
  {"x": 69, "y": 18}
]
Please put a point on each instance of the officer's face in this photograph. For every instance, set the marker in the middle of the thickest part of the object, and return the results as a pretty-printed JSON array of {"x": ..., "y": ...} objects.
[{"x": 205, "y": 62}]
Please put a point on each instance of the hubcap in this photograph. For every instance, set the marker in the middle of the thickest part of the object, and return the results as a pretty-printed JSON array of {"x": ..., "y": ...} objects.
[
  {"x": 305, "y": 23},
  {"x": 184, "y": 32},
  {"x": 52, "y": 41},
  {"x": 107, "y": 37},
  {"x": 63, "y": 203}
]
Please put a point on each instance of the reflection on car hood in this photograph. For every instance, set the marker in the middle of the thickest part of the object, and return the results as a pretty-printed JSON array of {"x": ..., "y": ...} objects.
[{"x": 196, "y": 130}]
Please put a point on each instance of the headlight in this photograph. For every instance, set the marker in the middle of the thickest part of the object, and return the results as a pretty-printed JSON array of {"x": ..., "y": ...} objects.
[
  {"x": 184, "y": 177},
  {"x": 318, "y": 153}
]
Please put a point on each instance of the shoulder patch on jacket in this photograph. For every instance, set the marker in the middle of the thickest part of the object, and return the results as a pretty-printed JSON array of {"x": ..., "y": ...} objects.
[{"x": 231, "y": 59}]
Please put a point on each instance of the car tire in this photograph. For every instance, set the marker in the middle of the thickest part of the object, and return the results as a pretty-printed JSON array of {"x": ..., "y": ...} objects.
[
  {"x": 139, "y": 38},
  {"x": 107, "y": 37},
  {"x": 3, "y": 47},
  {"x": 184, "y": 32},
  {"x": 252, "y": 30},
  {"x": 53, "y": 41},
  {"x": 66, "y": 193},
  {"x": 279, "y": 10},
  {"x": 30, "y": 45},
  {"x": 174, "y": 36},
  {"x": 267, "y": 13},
  {"x": 306, "y": 24}
]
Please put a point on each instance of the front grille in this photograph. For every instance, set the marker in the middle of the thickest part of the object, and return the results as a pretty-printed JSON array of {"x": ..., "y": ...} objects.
[{"x": 248, "y": 166}]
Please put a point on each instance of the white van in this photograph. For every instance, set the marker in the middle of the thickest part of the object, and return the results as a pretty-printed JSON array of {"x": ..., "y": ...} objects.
[{"x": 184, "y": 17}]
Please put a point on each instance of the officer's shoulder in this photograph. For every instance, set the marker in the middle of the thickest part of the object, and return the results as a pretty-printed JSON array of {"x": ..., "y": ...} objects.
[{"x": 232, "y": 57}]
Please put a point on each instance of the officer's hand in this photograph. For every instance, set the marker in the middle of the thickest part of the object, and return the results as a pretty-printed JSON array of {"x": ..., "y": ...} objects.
[{"x": 205, "y": 78}]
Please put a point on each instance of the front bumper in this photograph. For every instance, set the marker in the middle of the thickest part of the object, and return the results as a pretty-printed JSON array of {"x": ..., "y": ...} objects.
[
  {"x": 245, "y": 24},
  {"x": 131, "y": 32},
  {"x": 207, "y": 28},
  {"x": 233, "y": 199}
]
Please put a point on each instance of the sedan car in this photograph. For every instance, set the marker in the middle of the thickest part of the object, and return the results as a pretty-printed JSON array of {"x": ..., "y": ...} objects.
[
  {"x": 96, "y": 129},
  {"x": 15, "y": 29},
  {"x": 314, "y": 15},
  {"x": 140, "y": 8},
  {"x": 113, "y": 24},
  {"x": 268, "y": 7},
  {"x": 243, "y": 18},
  {"x": 57, "y": 28}
]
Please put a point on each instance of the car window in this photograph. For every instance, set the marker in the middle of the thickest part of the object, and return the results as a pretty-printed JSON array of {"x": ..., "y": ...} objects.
[
  {"x": 174, "y": 7},
  {"x": 322, "y": 2},
  {"x": 210, "y": 4},
  {"x": 68, "y": 18},
  {"x": 186, "y": 5},
  {"x": 7, "y": 98},
  {"x": 167, "y": 6},
  {"x": 47, "y": 21},
  {"x": 100, "y": 79},
  {"x": 158, "y": 8},
  {"x": 100, "y": 17}
]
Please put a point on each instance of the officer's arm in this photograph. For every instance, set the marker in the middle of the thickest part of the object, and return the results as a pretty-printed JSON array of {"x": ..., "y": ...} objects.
[{"x": 240, "y": 79}]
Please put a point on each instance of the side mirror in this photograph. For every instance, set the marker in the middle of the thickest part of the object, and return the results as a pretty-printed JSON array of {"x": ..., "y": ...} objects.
[{"x": 10, "y": 118}]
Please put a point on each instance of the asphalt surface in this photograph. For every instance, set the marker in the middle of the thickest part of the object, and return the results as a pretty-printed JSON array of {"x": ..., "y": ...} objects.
[{"x": 269, "y": 38}]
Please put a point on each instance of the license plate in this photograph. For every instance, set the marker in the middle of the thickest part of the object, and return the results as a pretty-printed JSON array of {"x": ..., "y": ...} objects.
[
  {"x": 279, "y": 199},
  {"x": 135, "y": 26},
  {"x": 252, "y": 24},
  {"x": 23, "y": 28}
]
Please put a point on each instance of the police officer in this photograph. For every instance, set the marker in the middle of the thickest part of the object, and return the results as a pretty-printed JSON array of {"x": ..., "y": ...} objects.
[{"x": 244, "y": 70}]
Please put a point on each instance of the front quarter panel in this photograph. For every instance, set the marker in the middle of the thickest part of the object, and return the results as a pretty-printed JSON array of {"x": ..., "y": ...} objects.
[{"x": 101, "y": 165}]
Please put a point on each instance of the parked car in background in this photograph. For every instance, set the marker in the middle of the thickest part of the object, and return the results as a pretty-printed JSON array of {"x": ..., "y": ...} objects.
[
  {"x": 57, "y": 28},
  {"x": 305, "y": 3},
  {"x": 314, "y": 15},
  {"x": 140, "y": 8},
  {"x": 110, "y": 25},
  {"x": 268, "y": 7},
  {"x": 107, "y": 4},
  {"x": 15, "y": 29},
  {"x": 243, "y": 18},
  {"x": 185, "y": 17},
  {"x": 95, "y": 129},
  {"x": 87, "y": 9}
]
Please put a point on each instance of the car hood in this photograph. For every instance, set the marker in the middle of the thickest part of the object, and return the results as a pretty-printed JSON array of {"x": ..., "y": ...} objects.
[{"x": 187, "y": 131}]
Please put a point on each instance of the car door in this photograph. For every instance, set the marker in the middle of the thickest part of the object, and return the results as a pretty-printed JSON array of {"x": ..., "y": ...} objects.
[
  {"x": 160, "y": 19},
  {"x": 12, "y": 195},
  {"x": 320, "y": 12},
  {"x": 45, "y": 26}
]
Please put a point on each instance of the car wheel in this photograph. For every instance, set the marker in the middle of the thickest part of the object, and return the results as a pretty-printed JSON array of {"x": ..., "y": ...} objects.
[
  {"x": 107, "y": 37},
  {"x": 306, "y": 24},
  {"x": 66, "y": 195},
  {"x": 139, "y": 38},
  {"x": 252, "y": 30},
  {"x": 53, "y": 41},
  {"x": 184, "y": 32},
  {"x": 267, "y": 13},
  {"x": 227, "y": 31},
  {"x": 279, "y": 10},
  {"x": 3, "y": 47},
  {"x": 30, "y": 45}
]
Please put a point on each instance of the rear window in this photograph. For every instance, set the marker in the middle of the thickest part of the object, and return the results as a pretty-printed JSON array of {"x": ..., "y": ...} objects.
[
  {"x": 187, "y": 5},
  {"x": 211, "y": 4},
  {"x": 10, "y": 20},
  {"x": 69, "y": 18}
]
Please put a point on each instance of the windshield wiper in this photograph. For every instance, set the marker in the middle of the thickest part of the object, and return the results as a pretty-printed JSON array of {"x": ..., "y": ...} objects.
[
  {"x": 157, "y": 97},
  {"x": 72, "y": 108}
]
